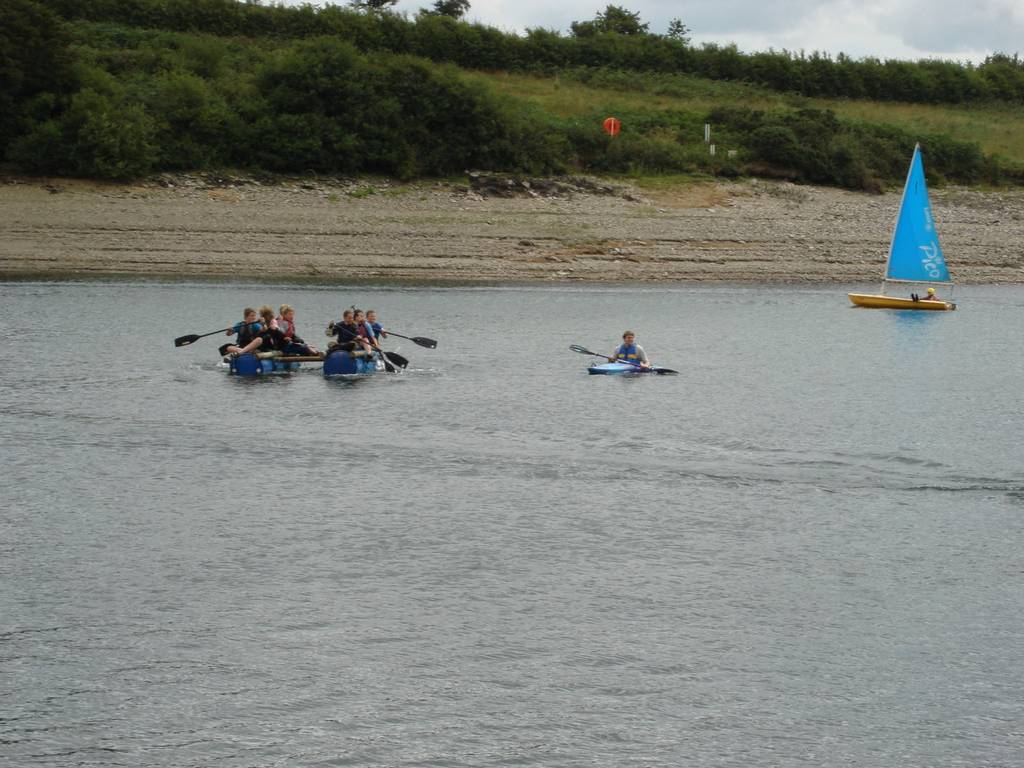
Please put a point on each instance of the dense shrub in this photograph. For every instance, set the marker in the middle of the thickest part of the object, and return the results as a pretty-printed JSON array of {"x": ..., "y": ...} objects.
[
  {"x": 326, "y": 107},
  {"x": 820, "y": 148},
  {"x": 193, "y": 127},
  {"x": 33, "y": 60},
  {"x": 94, "y": 137}
]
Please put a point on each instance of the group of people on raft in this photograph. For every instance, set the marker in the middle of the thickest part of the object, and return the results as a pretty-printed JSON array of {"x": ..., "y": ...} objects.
[{"x": 260, "y": 331}]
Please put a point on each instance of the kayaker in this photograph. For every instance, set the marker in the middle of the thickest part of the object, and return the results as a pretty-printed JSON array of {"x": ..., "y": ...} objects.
[
  {"x": 294, "y": 344},
  {"x": 631, "y": 352},
  {"x": 248, "y": 334},
  {"x": 349, "y": 337}
]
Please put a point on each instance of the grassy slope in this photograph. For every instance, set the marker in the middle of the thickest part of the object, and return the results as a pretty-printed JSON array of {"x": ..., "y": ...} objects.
[{"x": 997, "y": 129}]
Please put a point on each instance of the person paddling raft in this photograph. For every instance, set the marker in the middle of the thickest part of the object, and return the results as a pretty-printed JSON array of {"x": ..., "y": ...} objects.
[
  {"x": 631, "y": 352},
  {"x": 248, "y": 334},
  {"x": 294, "y": 344},
  {"x": 367, "y": 329},
  {"x": 377, "y": 327}
]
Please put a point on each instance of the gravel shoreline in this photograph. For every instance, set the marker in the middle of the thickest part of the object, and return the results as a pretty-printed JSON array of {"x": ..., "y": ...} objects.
[{"x": 196, "y": 227}]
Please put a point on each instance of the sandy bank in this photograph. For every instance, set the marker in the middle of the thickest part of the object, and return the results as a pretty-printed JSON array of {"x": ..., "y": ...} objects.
[{"x": 190, "y": 227}]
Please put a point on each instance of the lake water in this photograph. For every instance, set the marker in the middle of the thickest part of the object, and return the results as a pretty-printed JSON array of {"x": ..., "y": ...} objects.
[{"x": 804, "y": 550}]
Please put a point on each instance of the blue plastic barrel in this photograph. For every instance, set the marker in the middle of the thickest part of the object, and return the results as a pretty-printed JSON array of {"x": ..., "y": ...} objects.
[{"x": 246, "y": 365}]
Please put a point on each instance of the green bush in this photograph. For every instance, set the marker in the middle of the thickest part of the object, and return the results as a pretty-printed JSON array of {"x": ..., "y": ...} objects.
[
  {"x": 33, "y": 60},
  {"x": 193, "y": 126}
]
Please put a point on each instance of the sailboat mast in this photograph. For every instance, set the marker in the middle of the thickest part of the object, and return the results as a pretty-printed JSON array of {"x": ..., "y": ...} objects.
[{"x": 899, "y": 211}]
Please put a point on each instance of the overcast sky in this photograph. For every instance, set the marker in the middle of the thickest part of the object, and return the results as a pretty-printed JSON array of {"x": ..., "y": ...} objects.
[{"x": 902, "y": 29}]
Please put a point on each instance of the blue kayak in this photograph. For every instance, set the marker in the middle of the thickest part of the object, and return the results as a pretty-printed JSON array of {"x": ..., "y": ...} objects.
[{"x": 617, "y": 369}]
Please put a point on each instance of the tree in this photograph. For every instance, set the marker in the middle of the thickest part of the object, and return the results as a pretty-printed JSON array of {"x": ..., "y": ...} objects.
[
  {"x": 371, "y": 5},
  {"x": 614, "y": 19},
  {"x": 454, "y": 8},
  {"x": 678, "y": 31},
  {"x": 33, "y": 60}
]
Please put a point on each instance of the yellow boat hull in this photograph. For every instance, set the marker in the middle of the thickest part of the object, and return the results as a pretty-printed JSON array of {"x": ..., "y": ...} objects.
[{"x": 892, "y": 302}]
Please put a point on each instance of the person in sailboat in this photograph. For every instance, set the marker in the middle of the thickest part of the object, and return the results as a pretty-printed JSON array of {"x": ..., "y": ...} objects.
[
  {"x": 631, "y": 352},
  {"x": 930, "y": 295}
]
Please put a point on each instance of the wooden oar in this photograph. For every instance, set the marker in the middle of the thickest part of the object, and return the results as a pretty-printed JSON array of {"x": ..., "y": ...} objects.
[
  {"x": 184, "y": 341},
  {"x": 652, "y": 369},
  {"x": 421, "y": 340}
]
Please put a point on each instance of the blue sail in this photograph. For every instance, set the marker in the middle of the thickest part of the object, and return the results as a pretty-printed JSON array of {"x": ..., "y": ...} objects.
[{"x": 915, "y": 254}]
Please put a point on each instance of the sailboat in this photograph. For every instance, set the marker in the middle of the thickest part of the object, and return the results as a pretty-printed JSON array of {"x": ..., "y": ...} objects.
[{"x": 915, "y": 255}]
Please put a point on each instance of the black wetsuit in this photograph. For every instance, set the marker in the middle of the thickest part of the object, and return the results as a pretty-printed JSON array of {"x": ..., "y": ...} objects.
[
  {"x": 348, "y": 335},
  {"x": 246, "y": 333},
  {"x": 273, "y": 340}
]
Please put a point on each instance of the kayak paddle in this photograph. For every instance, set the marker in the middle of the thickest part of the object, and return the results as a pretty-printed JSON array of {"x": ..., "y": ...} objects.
[{"x": 585, "y": 351}]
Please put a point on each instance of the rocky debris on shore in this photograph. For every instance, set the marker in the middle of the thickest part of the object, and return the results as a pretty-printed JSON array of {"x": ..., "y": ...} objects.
[{"x": 502, "y": 185}]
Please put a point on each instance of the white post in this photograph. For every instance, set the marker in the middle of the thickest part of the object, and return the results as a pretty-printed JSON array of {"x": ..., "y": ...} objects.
[
  {"x": 712, "y": 148},
  {"x": 707, "y": 132}
]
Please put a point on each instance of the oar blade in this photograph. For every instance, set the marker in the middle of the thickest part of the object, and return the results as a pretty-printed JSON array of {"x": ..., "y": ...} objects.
[
  {"x": 184, "y": 341},
  {"x": 666, "y": 372},
  {"x": 397, "y": 359}
]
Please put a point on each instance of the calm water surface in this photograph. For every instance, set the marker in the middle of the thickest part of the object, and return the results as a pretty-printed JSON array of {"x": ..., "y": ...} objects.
[{"x": 804, "y": 550}]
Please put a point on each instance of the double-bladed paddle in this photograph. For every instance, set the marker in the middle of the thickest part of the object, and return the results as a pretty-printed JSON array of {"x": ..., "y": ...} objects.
[
  {"x": 585, "y": 351},
  {"x": 421, "y": 340},
  {"x": 184, "y": 341}
]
